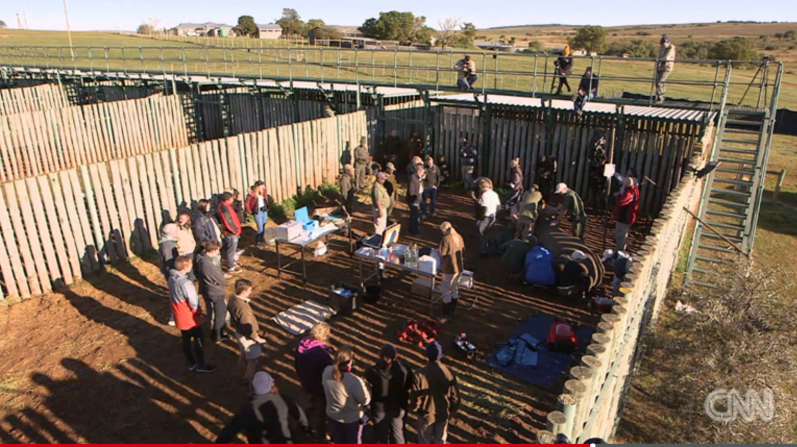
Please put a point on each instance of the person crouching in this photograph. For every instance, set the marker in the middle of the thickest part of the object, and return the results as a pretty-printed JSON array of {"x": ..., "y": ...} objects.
[{"x": 575, "y": 280}]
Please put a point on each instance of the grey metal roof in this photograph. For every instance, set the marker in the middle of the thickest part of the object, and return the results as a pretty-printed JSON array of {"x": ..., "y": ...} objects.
[
  {"x": 202, "y": 25},
  {"x": 269, "y": 26},
  {"x": 668, "y": 113}
]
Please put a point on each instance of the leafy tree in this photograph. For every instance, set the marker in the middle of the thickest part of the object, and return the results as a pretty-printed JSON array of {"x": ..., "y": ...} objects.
[
  {"x": 291, "y": 23},
  {"x": 2, "y": 24},
  {"x": 694, "y": 50},
  {"x": 738, "y": 48},
  {"x": 512, "y": 40},
  {"x": 535, "y": 44},
  {"x": 144, "y": 28},
  {"x": 590, "y": 39},
  {"x": 791, "y": 34},
  {"x": 393, "y": 25},
  {"x": 325, "y": 32},
  {"x": 467, "y": 33},
  {"x": 502, "y": 37},
  {"x": 311, "y": 25},
  {"x": 246, "y": 26}
]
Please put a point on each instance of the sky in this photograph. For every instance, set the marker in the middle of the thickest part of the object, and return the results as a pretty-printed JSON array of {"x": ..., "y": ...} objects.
[{"x": 108, "y": 15}]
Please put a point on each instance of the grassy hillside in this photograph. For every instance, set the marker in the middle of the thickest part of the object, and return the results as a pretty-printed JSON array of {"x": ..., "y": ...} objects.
[{"x": 360, "y": 65}]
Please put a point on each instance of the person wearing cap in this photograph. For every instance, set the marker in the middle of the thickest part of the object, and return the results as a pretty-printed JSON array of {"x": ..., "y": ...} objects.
[
  {"x": 664, "y": 66},
  {"x": 361, "y": 160},
  {"x": 434, "y": 397},
  {"x": 266, "y": 418},
  {"x": 167, "y": 249},
  {"x": 381, "y": 202},
  {"x": 574, "y": 280},
  {"x": 452, "y": 254},
  {"x": 466, "y": 73},
  {"x": 620, "y": 262},
  {"x": 573, "y": 207},
  {"x": 390, "y": 187},
  {"x": 247, "y": 330},
  {"x": 346, "y": 189},
  {"x": 625, "y": 211},
  {"x": 390, "y": 381},
  {"x": 414, "y": 198},
  {"x": 430, "y": 184}
]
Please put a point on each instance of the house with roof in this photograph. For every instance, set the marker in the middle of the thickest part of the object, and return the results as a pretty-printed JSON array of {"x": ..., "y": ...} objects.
[
  {"x": 203, "y": 29},
  {"x": 269, "y": 31}
]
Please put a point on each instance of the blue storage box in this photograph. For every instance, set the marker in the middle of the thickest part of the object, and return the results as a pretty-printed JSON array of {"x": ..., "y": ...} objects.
[{"x": 302, "y": 215}]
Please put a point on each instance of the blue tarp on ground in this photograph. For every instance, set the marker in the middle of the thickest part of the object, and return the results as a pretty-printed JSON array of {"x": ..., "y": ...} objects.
[{"x": 550, "y": 365}]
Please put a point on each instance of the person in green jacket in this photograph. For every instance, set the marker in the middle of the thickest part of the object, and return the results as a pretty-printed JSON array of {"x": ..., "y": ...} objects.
[
  {"x": 529, "y": 210},
  {"x": 573, "y": 207}
]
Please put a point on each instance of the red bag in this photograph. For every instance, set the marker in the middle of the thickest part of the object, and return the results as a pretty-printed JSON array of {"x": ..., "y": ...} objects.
[
  {"x": 562, "y": 337},
  {"x": 600, "y": 304},
  {"x": 419, "y": 333}
]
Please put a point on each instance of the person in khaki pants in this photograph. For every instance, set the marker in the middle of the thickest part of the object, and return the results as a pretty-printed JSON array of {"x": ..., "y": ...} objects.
[
  {"x": 381, "y": 201},
  {"x": 361, "y": 160},
  {"x": 452, "y": 253},
  {"x": 434, "y": 397}
]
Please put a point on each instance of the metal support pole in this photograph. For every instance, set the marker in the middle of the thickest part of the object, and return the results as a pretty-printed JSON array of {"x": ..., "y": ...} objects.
[{"x": 534, "y": 78}]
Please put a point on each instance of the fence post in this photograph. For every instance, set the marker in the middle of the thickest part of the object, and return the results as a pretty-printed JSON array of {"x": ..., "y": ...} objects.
[{"x": 567, "y": 405}]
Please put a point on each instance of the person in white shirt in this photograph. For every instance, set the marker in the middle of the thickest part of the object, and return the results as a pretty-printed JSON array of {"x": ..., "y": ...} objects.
[{"x": 490, "y": 202}]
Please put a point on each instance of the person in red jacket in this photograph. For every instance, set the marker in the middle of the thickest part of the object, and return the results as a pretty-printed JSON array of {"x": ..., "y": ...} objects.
[
  {"x": 188, "y": 314},
  {"x": 257, "y": 205},
  {"x": 625, "y": 211},
  {"x": 231, "y": 227}
]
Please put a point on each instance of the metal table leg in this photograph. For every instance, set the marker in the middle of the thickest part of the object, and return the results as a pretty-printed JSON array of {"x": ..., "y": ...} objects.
[
  {"x": 304, "y": 269},
  {"x": 431, "y": 298},
  {"x": 279, "y": 263}
]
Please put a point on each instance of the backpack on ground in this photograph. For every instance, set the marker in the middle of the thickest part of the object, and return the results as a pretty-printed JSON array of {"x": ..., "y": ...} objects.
[
  {"x": 562, "y": 336},
  {"x": 419, "y": 333}
]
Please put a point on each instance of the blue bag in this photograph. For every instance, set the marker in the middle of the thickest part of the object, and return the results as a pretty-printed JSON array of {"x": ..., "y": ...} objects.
[{"x": 539, "y": 267}]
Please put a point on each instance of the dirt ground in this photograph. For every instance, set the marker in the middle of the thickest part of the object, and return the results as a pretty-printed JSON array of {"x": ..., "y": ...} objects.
[{"x": 97, "y": 363}]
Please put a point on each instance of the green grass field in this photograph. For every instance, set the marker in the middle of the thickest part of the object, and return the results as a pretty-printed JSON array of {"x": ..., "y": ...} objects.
[{"x": 253, "y": 57}]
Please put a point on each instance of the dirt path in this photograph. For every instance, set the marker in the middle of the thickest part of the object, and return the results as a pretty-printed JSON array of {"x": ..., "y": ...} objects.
[{"x": 96, "y": 363}]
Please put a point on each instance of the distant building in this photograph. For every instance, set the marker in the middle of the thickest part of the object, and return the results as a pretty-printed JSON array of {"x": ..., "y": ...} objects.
[
  {"x": 203, "y": 29},
  {"x": 347, "y": 31},
  {"x": 270, "y": 31}
]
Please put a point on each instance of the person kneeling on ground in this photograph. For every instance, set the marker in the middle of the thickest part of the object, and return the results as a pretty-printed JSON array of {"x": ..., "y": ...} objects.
[
  {"x": 514, "y": 258},
  {"x": 266, "y": 418},
  {"x": 575, "y": 280},
  {"x": 452, "y": 252}
]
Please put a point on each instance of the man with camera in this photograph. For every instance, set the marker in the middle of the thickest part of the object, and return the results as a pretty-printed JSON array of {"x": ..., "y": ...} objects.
[
  {"x": 564, "y": 68},
  {"x": 664, "y": 66},
  {"x": 466, "y": 75}
]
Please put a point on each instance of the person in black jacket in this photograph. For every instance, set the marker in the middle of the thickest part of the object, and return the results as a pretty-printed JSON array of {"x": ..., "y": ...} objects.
[
  {"x": 414, "y": 198},
  {"x": 205, "y": 227},
  {"x": 430, "y": 185},
  {"x": 266, "y": 418},
  {"x": 212, "y": 286},
  {"x": 312, "y": 356},
  {"x": 390, "y": 381}
]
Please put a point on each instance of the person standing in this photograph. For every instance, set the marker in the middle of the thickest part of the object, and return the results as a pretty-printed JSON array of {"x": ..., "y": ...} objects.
[
  {"x": 445, "y": 173},
  {"x": 516, "y": 182},
  {"x": 412, "y": 166},
  {"x": 212, "y": 286},
  {"x": 266, "y": 418},
  {"x": 414, "y": 198},
  {"x": 381, "y": 201},
  {"x": 391, "y": 188},
  {"x": 664, "y": 66},
  {"x": 231, "y": 226},
  {"x": 257, "y": 205},
  {"x": 434, "y": 397},
  {"x": 392, "y": 148},
  {"x": 186, "y": 243},
  {"x": 469, "y": 157},
  {"x": 565, "y": 69},
  {"x": 361, "y": 160},
  {"x": 188, "y": 314},
  {"x": 546, "y": 174},
  {"x": 312, "y": 357},
  {"x": 346, "y": 189},
  {"x": 489, "y": 202},
  {"x": 347, "y": 397},
  {"x": 430, "y": 185},
  {"x": 167, "y": 249},
  {"x": 625, "y": 211},
  {"x": 390, "y": 380},
  {"x": 247, "y": 331},
  {"x": 452, "y": 254},
  {"x": 466, "y": 73},
  {"x": 205, "y": 226},
  {"x": 573, "y": 207}
]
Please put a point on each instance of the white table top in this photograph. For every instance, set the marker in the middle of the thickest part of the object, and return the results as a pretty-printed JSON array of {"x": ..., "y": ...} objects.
[{"x": 305, "y": 238}]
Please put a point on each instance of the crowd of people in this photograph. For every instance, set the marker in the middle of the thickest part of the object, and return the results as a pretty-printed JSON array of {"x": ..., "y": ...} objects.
[{"x": 199, "y": 256}]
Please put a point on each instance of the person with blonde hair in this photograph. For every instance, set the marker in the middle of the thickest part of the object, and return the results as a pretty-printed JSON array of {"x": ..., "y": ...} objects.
[
  {"x": 489, "y": 203},
  {"x": 312, "y": 356},
  {"x": 347, "y": 398},
  {"x": 452, "y": 253}
]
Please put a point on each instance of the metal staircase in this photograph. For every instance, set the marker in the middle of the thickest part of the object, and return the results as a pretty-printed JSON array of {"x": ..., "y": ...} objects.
[{"x": 732, "y": 194}]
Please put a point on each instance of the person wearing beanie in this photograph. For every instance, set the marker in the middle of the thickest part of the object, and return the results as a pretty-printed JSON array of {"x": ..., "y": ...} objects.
[
  {"x": 347, "y": 399},
  {"x": 390, "y": 380},
  {"x": 266, "y": 418},
  {"x": 312, "y": 357},
  {"x": 664, "y": 66},
  {"x": 434, "y": 397}
]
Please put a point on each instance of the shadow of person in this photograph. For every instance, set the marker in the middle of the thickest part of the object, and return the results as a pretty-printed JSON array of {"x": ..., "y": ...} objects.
[{"x": 102, "y": 408}]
